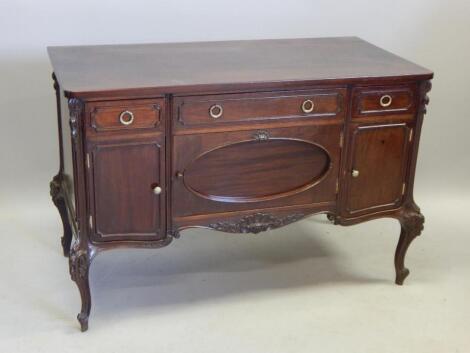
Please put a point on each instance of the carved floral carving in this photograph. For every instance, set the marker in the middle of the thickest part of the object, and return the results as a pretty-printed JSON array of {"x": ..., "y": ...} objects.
[
  {"x": 78, "y": 264},
  {"x": 261, "y": 136},
  {"x": 426, "y": 87},
  {"x": 75, "y": 108},
  {"x": 256, "y": 223},
  {"x": 412, "y": 223},
  {"x": 55, "y": 187}
]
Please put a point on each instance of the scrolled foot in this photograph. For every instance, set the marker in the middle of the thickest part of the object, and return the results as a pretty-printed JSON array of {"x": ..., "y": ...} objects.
[
  {"x": 79, "y": 263},
  {"x": 83, "y": 320},
  {"x": 401, "y": 275},
  {"x": 412, "y": 224}
]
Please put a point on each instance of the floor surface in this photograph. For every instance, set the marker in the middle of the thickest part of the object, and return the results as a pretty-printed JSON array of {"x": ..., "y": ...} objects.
[{"x": 308, "y": 287}]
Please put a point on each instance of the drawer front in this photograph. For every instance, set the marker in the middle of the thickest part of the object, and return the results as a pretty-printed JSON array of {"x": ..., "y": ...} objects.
[
  {"x": 212, "y": 110},
  {"x": 259, "y": 168},
  {"x": 383, "y": 100},
  {"x": 125, "y": 115}
]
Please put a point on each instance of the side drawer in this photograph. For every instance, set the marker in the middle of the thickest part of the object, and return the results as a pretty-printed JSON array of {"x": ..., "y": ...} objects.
[
  {"x": 125, "y": 115},
  {"x": 369, "y": 101},
  {"x": 211, "y": 110}
]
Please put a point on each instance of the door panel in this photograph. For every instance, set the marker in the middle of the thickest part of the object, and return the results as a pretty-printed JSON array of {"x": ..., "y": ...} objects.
[
  {"x": 252, "y": 170},
  {"x": 125, "y": 179},
  {"x": 377, "y": 167},
  {"x": 241, "y": 170}
]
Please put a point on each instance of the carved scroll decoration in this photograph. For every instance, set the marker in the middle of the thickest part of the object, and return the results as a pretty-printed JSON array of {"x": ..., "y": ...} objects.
[
  {"x": 256, "y": 223},
  {"x": 79, "y": 263},
  {"x": 426, "y": 87},
  {"x": 261, "y": 136},
  {"x": 75, "y": 108}
]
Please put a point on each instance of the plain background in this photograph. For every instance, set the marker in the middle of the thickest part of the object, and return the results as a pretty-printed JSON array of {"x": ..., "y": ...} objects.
[{"x": 227, "y": 291}]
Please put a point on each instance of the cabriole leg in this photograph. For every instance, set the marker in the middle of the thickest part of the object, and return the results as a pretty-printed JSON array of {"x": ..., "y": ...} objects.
[
  {"x": 59, "y": 201},
  {"x": 79, "y": 262},
  {"x": 411, "y": 221}
]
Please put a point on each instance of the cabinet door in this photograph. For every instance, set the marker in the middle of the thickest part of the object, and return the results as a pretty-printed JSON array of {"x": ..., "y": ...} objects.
[
  {"x": 253, "y": 169},
  {"x": 377, "y": 168},
  {"x": 127, "y": 190}
]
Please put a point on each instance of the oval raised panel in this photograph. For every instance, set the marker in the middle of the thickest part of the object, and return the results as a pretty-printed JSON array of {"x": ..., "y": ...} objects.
[{"x": 251, "y": 171}]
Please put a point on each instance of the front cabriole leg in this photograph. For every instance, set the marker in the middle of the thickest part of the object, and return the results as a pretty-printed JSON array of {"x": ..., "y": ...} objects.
[
  {"x": 79, "y": 263},
  {"x": 410, "y": 217},
  {"x": 412, "y": 224}
]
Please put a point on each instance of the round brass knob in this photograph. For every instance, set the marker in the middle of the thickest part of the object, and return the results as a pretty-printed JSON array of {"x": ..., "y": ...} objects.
[
  {"x": 126, "y": 117},
  {"x": 307, "y": 106},
  {"x": 355, "y": 173},
  {"x": 157, "y": 190},
  {"x": 385, "y": 100},
  {"x": 216, "y": 111}
]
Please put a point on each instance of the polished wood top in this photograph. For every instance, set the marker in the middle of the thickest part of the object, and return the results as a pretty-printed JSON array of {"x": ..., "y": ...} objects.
[{"x": 113, "y": 70}]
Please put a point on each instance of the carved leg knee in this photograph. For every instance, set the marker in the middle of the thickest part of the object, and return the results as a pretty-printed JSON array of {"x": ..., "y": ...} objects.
[
  {"x": 411, "y": 221},
  {"x": 59, "y": 202},
  {"x": 79, "y": 262}
]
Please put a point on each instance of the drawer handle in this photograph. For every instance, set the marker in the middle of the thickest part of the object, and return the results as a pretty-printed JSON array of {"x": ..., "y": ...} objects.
[
  {"x": 354, "y": 173},
  {"x": 307, "y": 106},
  {"x": 157, "y": 190},
  {"x": 126, "y": 117},
  {"x": 216, "y": 111},
  {"x": 385, "y": 100}
]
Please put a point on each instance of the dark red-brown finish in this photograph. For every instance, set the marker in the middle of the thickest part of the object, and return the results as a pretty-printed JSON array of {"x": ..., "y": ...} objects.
[
  {"x": 123, "y": 70},
  {"x": 243, "y": 108},
  {"x": 378, "y": 152},
  {"x": 239, "y": 137},
  {"x": 141, "y": 114},
  {"x": 264, "y": 180},
  {"x": 250, "y": 171},
  {"x": 122, "y": 180},
  {"x": 396, "y": 100}
]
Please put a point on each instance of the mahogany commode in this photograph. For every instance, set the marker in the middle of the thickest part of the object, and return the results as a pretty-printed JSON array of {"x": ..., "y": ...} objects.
[{"x": 236, "y": 136}]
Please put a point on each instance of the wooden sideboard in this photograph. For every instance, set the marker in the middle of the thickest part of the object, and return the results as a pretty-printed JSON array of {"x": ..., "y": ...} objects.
[{"x": 236, "y": 136}]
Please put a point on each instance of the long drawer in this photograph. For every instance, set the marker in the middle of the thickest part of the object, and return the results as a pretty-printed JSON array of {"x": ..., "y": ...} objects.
[{"x": 230, "y": 109}]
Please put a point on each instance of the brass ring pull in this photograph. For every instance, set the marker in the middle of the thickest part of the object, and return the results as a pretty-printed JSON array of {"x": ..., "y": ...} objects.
[
  {"x": 355, "y": 173},
  {"x": 216, "y": 111},
  {"x": 385, "y": 100},
  {"x": 126, "y": 117},
  {"x": 307, "y": 106}
]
